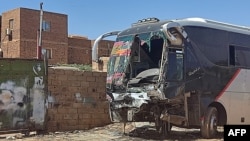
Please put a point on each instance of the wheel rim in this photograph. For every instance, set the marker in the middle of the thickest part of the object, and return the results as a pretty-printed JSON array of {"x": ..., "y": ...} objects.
[{"x": 213, "y": 124}]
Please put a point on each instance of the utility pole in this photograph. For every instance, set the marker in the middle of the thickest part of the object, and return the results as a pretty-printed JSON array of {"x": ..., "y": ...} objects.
[{"x": 39, "y": 46}]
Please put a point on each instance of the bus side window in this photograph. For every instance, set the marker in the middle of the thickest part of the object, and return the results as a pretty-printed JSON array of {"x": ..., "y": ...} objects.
[
  {"x": 238, "y": 56},
  {"x": 231, "y": 55},
  {"x": 175, "y": 66}
]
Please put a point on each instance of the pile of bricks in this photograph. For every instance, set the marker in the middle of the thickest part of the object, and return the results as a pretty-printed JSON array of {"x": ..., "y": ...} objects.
[{"x": 76, "y": 100}]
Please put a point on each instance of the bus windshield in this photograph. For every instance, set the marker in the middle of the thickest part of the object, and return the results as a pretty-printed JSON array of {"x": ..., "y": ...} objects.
[
  {"x": 115, "y": 64},
  {"x": 121, "y": 52},
  {"x": 133, "y": 54},
  {"x": 119, "y": 55}
]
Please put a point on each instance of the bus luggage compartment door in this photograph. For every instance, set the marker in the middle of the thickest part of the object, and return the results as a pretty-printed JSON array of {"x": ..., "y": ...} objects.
[{"x": 193, "y": 108}]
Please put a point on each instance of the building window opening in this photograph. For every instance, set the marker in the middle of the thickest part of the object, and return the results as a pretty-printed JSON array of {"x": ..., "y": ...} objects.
[
  {"x": 46, "y": 26},
  {"x": 11, "y": 23},
  {"x": 9, "y": 30},
  {"x": 48, "y": 53}
]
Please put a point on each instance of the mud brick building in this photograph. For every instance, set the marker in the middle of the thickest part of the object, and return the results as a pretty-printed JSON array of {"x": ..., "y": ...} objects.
[{"x": 20, "y": 34}]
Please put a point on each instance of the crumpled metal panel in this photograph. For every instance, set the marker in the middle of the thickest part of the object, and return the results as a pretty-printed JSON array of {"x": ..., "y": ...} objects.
[{"x": 131, "y": 99}]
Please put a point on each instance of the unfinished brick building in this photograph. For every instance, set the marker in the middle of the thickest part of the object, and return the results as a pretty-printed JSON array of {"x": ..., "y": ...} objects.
[
  {"x": 80, "y": 49},
  {"x": 20, "y": 33}
]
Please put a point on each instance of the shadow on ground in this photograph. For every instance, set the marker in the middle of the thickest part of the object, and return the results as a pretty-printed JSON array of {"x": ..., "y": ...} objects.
[{"x": 149, "y": 133}]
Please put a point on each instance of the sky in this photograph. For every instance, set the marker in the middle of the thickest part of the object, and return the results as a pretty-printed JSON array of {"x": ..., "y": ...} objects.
[{"x": 91, "y": 18}]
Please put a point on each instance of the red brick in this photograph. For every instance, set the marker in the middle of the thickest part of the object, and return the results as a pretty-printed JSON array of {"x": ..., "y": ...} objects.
[
  {"x": 72, "y": 77},
  {"x": 74, "y": 89},
  {"x": 70, "y": 117},
  {"x": 84, "y": 116},
  {"x": 88, "y": 73},
  {"x": 85, "y": 121},
  {"x": 62, "y": 77},
  {"x": 77, "y": 105},
  {"x": 91, "y": 79},
  {"x": 67, "y": 110}
]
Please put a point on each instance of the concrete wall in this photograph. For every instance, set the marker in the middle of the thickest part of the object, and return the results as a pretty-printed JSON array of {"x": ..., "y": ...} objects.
[
  {"x": 77, "y": 99},
  {"x": 23, "y": 91}
]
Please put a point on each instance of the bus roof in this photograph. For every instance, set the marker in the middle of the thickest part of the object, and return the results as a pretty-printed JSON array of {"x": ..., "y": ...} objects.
[
  {"x": 142, "y": 27},
  {"x": 213, "y": 24}
]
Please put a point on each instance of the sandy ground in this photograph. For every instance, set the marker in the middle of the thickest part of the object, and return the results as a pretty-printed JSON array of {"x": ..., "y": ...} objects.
[{"x": 115, "y": 132}]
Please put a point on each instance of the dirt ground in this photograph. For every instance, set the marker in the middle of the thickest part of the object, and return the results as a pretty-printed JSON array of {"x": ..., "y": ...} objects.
[{"x": 115, "y": 132}]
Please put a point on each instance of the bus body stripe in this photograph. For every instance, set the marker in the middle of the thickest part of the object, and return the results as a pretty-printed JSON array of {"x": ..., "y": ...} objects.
[{"x": 228, "y": 84}]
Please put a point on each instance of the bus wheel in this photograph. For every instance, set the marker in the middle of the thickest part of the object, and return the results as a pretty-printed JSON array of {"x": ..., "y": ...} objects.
[{"x": 209, "y": 125}]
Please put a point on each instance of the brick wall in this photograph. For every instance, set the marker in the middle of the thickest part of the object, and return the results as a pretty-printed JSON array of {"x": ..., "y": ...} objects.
[
  {"x": 77, "y": 100},
  {"x": 79, "y": 50},
  {"x": 10, "y": 44},
  {"x": 55, "y": 39}
]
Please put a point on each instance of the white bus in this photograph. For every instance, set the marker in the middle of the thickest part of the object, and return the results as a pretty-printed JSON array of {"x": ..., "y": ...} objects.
[{"x": 192, "y": 73}]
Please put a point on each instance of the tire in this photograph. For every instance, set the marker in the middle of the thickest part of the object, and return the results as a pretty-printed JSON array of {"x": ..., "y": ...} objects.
[{"x": 209, "y": 124}]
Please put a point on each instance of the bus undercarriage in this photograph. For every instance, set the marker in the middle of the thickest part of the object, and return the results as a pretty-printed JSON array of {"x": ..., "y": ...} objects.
[{"x": 139, "y": 106}]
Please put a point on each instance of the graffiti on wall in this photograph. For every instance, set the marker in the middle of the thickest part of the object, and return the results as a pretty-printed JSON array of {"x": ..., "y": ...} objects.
[
  {"x": 13, "y": 104},
  {"x": 22, "y": 103}
]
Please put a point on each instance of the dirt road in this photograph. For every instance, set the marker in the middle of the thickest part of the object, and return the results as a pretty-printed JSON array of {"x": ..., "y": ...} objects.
[{"x": 115, "y": 132}]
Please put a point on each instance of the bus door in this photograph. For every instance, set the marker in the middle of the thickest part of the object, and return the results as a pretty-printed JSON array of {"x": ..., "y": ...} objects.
[
  {"x": 174, "y": 70},
  {"x": 174, "y": 84}
]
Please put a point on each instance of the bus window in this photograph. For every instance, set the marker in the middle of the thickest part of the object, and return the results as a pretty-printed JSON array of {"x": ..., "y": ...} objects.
[
  {"x": 175, "y": 65},
  {"x": 231, "y": 55},
  {"x": 241, "y": 56}
]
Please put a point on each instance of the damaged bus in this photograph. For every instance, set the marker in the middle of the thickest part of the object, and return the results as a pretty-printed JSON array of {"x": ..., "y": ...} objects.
[{"x": 191, "y": 73}]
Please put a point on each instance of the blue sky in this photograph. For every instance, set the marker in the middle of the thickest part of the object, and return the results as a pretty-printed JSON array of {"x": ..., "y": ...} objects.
[{"x": 92, "y": 18}]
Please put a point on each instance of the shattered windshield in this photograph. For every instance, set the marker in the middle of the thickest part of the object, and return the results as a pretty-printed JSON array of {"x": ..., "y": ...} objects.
[
  {"x": 121, "y": 52},
  {"x": 120, "y": 69},
  {"x": 119, "y": 55}
]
